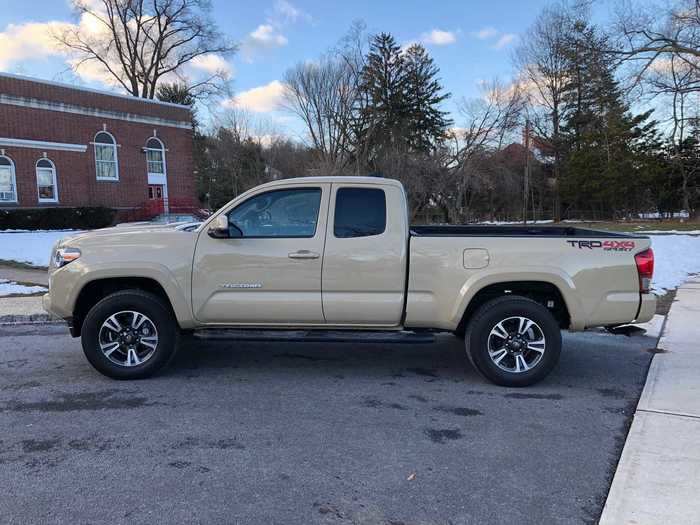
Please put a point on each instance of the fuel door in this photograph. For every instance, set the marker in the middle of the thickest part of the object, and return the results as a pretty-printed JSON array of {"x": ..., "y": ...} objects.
[{"x": 475, "y": 258}]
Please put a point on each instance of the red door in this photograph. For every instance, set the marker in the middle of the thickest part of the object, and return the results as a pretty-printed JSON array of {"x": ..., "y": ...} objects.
[{"x": 155, "y": 199}]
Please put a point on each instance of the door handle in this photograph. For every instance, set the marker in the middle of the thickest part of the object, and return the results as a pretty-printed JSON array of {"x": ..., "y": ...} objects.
[{"x": 304, "y": 254}]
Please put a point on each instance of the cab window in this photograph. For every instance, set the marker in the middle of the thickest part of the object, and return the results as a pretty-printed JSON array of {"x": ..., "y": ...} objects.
[
  {"x": 359, "y": 212},
  {"x": 278, "y": 213}
]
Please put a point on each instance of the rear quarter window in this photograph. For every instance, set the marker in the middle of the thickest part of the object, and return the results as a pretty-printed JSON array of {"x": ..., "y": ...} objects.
[{"x": 359, "y": 212}]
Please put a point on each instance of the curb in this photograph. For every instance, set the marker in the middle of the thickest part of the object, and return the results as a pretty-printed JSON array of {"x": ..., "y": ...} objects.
[
  {"x": 656, "y": 479},
  {"x": 28, "y": 319}
]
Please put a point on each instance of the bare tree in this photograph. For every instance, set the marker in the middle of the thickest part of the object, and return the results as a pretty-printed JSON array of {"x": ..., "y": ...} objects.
[
  {"x": 352, "y": 51},
  {"x": 684, "y": 113},
  {"x": 662, "y": 50},
  {"x": 487, "y": 123},
  {"x": 323, "y": 95},
  {"x": 543, "y": 62},
  {"x": 648, "y": 36},
  {"x": 138, "y": 43}
]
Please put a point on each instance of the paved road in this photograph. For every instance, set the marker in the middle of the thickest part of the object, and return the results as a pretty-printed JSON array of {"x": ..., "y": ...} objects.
[{"x": 310, "y": 433}]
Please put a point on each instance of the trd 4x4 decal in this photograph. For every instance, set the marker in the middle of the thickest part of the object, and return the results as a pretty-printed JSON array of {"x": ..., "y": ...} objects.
[{"x": 616, "y": 246}]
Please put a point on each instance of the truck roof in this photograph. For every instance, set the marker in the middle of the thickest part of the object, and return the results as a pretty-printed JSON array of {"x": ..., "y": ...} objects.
[{"x": 380, "y": 181}]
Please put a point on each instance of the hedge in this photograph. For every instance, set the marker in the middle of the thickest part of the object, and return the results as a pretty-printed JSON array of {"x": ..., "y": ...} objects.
[{"x": 56, "y": 218}]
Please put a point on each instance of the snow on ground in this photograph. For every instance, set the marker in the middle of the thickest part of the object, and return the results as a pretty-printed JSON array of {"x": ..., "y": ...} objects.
[
  {"x": 669, "y": 232},
  {"x": 29, "y": 247},
  {"x": 12, "y": 288},
  {"x": 519, "y": 223},
  {"x": 675, "y": 256}
]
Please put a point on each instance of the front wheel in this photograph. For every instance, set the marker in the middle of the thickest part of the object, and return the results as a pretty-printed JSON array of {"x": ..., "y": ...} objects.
[
  {"x": 129, "y": 334},
  {"x": 513, "y": 341}
]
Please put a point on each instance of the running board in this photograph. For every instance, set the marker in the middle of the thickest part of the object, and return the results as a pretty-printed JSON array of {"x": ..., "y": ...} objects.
[{"x": 317, "y": 336}]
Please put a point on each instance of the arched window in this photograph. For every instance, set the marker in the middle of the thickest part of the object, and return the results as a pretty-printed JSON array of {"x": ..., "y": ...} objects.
[
  {"x": 46, "y": 181},
  {"x": 8, "y": 187},
  {"x": 106, "y": 161},
  {"x": 155, "y": 157}
]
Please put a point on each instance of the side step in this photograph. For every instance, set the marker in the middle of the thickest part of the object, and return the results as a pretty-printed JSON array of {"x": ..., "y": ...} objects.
[{"x": 317, "y": 336}]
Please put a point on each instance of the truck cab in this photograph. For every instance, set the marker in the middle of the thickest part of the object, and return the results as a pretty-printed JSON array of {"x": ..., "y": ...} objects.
[{"x": 318, "y": 252}]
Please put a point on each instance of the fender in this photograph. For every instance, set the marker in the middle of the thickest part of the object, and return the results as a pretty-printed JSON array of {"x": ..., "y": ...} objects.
[
  {"x": 552, "y": 275},
  {"x": 87, "y": 273}
]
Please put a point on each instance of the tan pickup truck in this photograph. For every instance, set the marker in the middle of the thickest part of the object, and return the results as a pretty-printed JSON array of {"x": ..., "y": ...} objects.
[{"x": 334, "y": 259}]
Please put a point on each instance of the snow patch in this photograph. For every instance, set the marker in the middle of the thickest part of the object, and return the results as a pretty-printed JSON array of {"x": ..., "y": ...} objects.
[
  {"x": 13, "y": 288},
  {"x": 675, "y": 257},
  {"x": 30, "y": 247},
  {"x": 669, "y": 232}
]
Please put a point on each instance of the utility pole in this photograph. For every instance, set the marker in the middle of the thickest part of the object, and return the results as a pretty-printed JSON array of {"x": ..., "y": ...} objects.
[{"x": 526, "y": 177}]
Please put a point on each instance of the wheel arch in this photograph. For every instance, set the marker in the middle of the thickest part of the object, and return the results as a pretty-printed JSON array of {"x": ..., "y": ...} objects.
[
  {"x": 94, "y": 291},
  {"x": 544, "y": 292}
]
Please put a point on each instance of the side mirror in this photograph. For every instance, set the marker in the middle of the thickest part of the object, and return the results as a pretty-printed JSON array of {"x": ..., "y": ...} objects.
[{"x": 218, "y": 229}]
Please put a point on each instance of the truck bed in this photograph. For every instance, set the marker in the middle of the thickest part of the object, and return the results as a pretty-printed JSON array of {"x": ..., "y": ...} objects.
[
  {"x": 480, "y": 230},
  {"x": 594, "y": 271}
]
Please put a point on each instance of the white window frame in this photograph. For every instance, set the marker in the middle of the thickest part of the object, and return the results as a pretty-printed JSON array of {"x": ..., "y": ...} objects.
[
  {"x": 116, "y": 157},
  {"x": 13, "y": 174},
  {"x": 162, "y": 152},
  {"x": 53, "y": 175}
]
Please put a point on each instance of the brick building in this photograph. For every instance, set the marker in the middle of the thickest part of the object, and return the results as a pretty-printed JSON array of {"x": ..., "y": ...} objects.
[{"x": 66, "y": 146}]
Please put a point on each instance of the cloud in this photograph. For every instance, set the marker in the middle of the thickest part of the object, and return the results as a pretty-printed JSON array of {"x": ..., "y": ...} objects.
[
  {"x": 504, "y": 40},
  {"x": 491, "y": 33},
  {"x": 212, "y": 64},
  {"x": 438, "y": 37},
  {"x": 36, "y": 41},
  {"x": 485, "y": 33},
  {"x": 267, "y": 36},
  {"x": 29, "y": 41},
  {"x": 262, "y": 99},
  {"x": 283, "y": 11}
]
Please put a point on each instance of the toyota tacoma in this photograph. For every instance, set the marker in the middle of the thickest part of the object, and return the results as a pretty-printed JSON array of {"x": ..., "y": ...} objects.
[{"x": 335, "y": 259}]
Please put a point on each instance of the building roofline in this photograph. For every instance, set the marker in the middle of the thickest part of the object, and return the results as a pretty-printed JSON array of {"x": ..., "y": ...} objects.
[{"x": 92, "y": 90}]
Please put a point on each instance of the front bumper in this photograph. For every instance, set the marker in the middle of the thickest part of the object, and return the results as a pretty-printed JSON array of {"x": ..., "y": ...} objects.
[
  {"x": 647, "y": 308},
  {"x": 46, "y": 303}
]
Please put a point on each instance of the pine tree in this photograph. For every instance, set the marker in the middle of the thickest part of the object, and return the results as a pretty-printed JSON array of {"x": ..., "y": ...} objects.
[
  {"x": 383, "y": 84},
  {"x": 401, "y": 96},
  {"x": 426, "y": 123},
  {"x": 601, "y": 134}
]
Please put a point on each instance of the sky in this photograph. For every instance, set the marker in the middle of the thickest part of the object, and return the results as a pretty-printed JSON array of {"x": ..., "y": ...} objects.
[{"x": 471, "y": 41}]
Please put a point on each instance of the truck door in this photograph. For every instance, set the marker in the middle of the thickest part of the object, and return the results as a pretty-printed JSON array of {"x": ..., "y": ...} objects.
[
  {"x": 364, "y": 265},
  {"x": 272, "y": 273}
]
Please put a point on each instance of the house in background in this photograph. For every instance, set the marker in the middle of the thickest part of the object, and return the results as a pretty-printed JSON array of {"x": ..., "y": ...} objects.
[{"x": 63, "y": 146}]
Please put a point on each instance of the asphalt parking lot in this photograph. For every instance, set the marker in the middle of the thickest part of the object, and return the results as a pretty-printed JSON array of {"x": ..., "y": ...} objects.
[{"x": 310, "y": 433}]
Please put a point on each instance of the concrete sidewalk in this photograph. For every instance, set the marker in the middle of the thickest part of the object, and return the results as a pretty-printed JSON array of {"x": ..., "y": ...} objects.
[{"x": 658, "y": 478}]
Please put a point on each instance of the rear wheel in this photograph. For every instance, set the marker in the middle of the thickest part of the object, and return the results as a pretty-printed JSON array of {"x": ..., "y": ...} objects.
[
  {"x": 513, "y": 341},
  {"x": 129, "y": 334}
]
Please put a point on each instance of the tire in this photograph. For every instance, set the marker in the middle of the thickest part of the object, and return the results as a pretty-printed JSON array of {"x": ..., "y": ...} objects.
[
  {"x": 130, "y": 334},
  {"x": 528, "y": 353}
]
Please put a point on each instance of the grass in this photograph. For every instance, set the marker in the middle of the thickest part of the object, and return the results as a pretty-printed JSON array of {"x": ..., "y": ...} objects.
[
  {"x": 21, "y": 265},
  {"x": 640, "y": 226}
]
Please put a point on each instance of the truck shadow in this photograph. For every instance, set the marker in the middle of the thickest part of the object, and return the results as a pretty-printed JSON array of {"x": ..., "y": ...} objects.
[
  {"x": 445, "y": 359},
  {"x": 586, "y": 360}
]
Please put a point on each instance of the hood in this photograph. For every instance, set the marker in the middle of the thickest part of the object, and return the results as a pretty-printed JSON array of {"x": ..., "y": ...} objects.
[{"x": 127, "y": 229}]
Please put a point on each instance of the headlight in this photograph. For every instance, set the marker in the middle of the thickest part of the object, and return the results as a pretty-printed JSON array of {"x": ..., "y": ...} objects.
[{"x": 65, "y": 255}]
